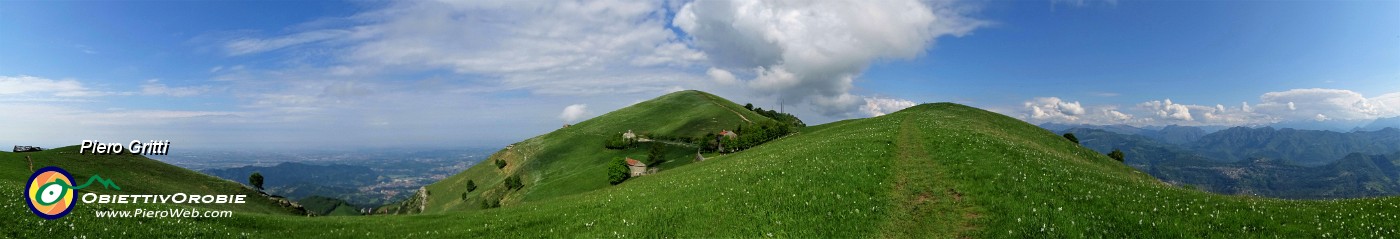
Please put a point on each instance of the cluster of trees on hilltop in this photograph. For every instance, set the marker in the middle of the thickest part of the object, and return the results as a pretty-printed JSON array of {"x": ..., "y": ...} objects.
[
  {"x": 618, "y": 142},
  {"x": 785, "y": 118},
  {"x": 751, "y": 136},
  {"x": 748, "y": 135}
]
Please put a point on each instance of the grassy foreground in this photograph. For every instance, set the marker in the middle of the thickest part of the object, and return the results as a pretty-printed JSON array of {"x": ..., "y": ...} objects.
[{"x": 934, "y": 170}]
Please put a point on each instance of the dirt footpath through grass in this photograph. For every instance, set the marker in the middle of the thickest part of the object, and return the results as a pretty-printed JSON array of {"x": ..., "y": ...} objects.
[{"x": 925, "y": 205}]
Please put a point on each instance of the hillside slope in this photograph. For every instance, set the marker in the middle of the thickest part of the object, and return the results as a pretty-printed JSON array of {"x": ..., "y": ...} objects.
[
  {"x": 572, "y": 160},
  {"x": 935, "y": 170},
  {"x": 135, "y": 174}
]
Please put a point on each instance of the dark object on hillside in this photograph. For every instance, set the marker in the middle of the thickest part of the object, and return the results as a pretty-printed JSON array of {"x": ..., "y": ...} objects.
[
  {"x": 1116, "y": 155},
  {"x": 19, "y": 148},
  {"x": 513, "y": 182},
  {"x": 1071, "y": 138},
  {"x": 637, "y": 168},
  {"x": 256, "y": 180},
  {"x": 500, "y": 163},
  {"x": 471, "y": 185},
  {"x": 618, "y": 171}
]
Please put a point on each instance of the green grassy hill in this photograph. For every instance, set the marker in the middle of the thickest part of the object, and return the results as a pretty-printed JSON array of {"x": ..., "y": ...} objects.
[
  {"x": 326, "y": 206},
  {"x": 935, "y": 170},
  {"x": 571, "y": 160},
  {"x": 135, "y": 174}
]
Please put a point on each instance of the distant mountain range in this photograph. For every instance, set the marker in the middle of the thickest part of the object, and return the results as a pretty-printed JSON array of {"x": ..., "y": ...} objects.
[
  {"x": 1379, "y": 124},
  {"x": 1174, "y": 134},
  {"x": 1304, "y": 147},
  {"x": 1328, "y": 125},
  {"x": 1285, "y": 163}
]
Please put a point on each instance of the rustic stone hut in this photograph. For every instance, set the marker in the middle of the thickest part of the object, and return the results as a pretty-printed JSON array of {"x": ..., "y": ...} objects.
[
  {"x": 637, "y": 167},
  {"x": 729, "y": 134},
  {"x": 629, "y": 135}
]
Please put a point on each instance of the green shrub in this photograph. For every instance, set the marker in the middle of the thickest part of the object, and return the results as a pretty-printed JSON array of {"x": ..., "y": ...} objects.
[
  {"x": 1071, "y": 138},
  {"x": 471, "y": 185},
  {"x": 491, "y": 202},
  {"x": 513, "y": 182},
  {"x": 654, "y": 156},
  {"x": 500, "y": 163},
  {"x": 619, "y": 142},
  {"x": 1116, "y": 155},
  {"x": 618, "y": 171}
]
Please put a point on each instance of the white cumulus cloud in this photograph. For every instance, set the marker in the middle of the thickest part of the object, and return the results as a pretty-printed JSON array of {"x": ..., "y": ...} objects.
[
  {"x": 1273, "y": 107},
  {"x": 574, "y": 112},
  {"x": 1054, "y": 109},
  {"x": 1165, "y": 109},
  {"x": 877, "y": 106},
  {"x": 811, "y": 51},
  {"x": 1334, "y": 103},
  {"x": 721, "y": 76}
]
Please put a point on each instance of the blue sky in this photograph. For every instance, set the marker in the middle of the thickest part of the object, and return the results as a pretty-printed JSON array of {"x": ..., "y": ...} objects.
[{"x": 425, "y": 73}]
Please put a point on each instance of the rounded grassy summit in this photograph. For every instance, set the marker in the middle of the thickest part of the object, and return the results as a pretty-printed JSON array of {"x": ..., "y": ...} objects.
[{"x": 933, "y": 170}]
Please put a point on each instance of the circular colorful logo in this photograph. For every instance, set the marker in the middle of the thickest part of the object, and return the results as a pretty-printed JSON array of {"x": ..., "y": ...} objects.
[{"x": 50, "y": 193}]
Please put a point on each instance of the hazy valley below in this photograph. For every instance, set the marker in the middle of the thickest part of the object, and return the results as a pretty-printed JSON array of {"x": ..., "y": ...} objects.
[{"x": 364, "y": 178}]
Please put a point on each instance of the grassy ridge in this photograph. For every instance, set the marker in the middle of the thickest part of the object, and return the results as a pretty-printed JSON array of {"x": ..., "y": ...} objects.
[
  {"x": 572, "y": 160},
  {"x": 135, "y": 174},
  {"x": 936, "y": 170},
  {"x": 1033, "y": 183}
]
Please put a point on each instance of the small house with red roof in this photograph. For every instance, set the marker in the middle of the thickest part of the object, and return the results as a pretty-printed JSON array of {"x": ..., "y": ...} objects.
[
  {"x": 728, "y": 134},
  {"x": 637, "y": 167}
]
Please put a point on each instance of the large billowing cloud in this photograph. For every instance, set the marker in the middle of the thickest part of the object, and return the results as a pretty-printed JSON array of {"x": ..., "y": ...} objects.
[{"x": 812, "y": 51}]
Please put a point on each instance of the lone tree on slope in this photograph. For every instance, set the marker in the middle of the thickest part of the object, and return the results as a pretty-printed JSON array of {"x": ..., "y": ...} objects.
[
  {"x": 1071, "y": 138},
  {"x": 1116, "y": 155},
  {"x": 256, "y": 180}
]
